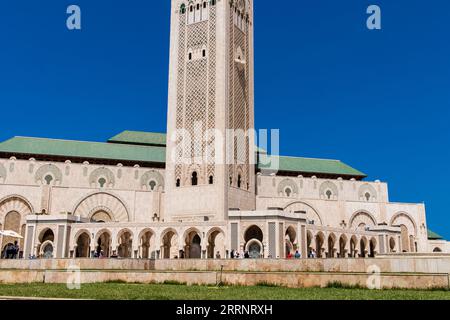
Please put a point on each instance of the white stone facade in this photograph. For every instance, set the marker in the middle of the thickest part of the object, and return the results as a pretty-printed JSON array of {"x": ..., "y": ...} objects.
[{"x": 343, "y": 225}]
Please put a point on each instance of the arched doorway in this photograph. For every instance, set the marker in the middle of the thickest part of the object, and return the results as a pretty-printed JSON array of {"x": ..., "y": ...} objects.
[
  {"x": 254, "y": 249},
  {"x": 342, "y": 245},
  {"x": 146, "y": 244},
  {"x": 47, "y": 250},
  {"x": 125, "y": 249},
  {"x": 437, "y": 250},
  {"x": 404, "y": 235},
  {"x": 353, "y": 248},
  {"x": 193, "y": 248},
  {"x": 169, "y": 245},
  {"x": 12, "y": 222},
  {"x": 363, "y": 247},
  {"x": 320, "y": 240},
  {"x": 290, "y": 241},
  {"x": 83, "y": 246},
  {"x": 392, "y": 245},
  {"x": 216, "y": 245},
  {"x": 103, "y": 244},
  {"x": 46, "y": 240},
  {"x": 372, "y": 247},
  {"x": 253, "y": 237},
  {"x": 331, "y": 244},
  {"x": 101, "y": 216}
]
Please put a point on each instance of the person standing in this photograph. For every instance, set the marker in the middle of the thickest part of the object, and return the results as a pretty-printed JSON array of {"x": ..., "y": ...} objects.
[{"x": 15, "y": 250}]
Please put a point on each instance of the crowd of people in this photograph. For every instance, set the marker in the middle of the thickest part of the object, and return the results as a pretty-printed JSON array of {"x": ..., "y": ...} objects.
[
  {"x": 246, "y": 255},
  {"x": 11, "y": 251}
]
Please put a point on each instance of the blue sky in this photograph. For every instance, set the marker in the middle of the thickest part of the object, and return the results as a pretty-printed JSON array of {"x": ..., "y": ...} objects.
[{"x": 378, "y": 100}]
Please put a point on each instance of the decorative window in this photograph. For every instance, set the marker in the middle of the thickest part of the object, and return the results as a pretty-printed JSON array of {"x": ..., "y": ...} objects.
[
  {"x": 286, "y": 184},
  {"x": 190, "y": 56},
  {"x": 48, "y": 179},
  {"x": 102, "y": 182},
  {"x": 194, "y": 178},
  {"x": 239, "y": 182},
  {"x": 204, "y": 53},
  {"x": 191, "y": 8},
  {"x": 183, "y": 9},
  {"x": 231, "y": 181},
  {"x": 178, "y": 183},
  {"x": 288, "y": 192},
  {"x": 328, "y": 191},
  {"x": 152, "y": 180},
  {"x": 46, "y": 174},
  {"x": 367, "y": 193},
  {"x": 213, "y": 2},
  {"x": 211, "y": 180},
  {"x": 204, "y": 5}
]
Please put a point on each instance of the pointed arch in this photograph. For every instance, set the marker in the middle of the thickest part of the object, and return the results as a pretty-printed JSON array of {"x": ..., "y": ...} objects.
[
  {"x": 110, "y": 203},
  {"x": 404, "y": 218},
  {"x": 17, "y": 203},
  {"x": 362, "y": 217},
  {"x": 311, "y": 213}
]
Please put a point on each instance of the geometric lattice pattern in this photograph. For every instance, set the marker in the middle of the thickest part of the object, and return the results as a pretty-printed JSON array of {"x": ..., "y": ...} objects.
[
  {"x": 239, "y": 84},
  {"x": 196, "y": 95}
]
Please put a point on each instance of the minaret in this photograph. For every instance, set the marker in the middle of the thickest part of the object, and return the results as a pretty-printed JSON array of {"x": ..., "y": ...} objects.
[{"x": 209, "y": 166}]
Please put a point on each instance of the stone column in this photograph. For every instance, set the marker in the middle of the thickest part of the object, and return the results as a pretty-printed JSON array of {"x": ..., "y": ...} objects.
[
  {"x": 303, "y": 241},
  {"x": 313, "y": 244},
  {"x": 381, "y": 244},
  {"x": 265, "y": 250}
]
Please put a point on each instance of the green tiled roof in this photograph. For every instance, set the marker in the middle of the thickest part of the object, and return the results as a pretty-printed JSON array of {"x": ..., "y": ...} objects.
[
  {"x": 135, "y": 146},
  {"x": 309, "y": 165},
  {"x": 140, "y": 137},
  {"x": 434, "y": 236},
  {"x": 79, "y": 149}
]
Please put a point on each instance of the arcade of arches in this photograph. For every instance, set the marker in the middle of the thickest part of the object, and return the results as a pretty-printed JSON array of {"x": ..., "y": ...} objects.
[{"x": 194, "y": 243}]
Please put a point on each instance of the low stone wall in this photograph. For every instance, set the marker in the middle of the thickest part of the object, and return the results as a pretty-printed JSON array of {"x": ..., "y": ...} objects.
[
  {"x": 288, "y": 279},
  {"x": 394, "y": 271},
  {"x": 386, "y": 264}
]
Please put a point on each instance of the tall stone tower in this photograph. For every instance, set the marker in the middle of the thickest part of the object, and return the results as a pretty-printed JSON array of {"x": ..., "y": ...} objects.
[{"x": 209, "y": 166}]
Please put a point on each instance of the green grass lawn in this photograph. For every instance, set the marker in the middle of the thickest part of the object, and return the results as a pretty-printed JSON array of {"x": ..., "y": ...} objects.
[{"x": 119, "y": 291}]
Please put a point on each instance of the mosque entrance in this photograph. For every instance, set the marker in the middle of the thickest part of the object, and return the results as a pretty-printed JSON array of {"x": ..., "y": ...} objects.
[
  {"x": 254, "y": 250},
  {"x": 193, "y": 246},
  {"x": 47, "y": 251},
  {"x": 253, "y": 237},
  {"x": 103, "y": 245},
  {"x": 83, "y": 246}
]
